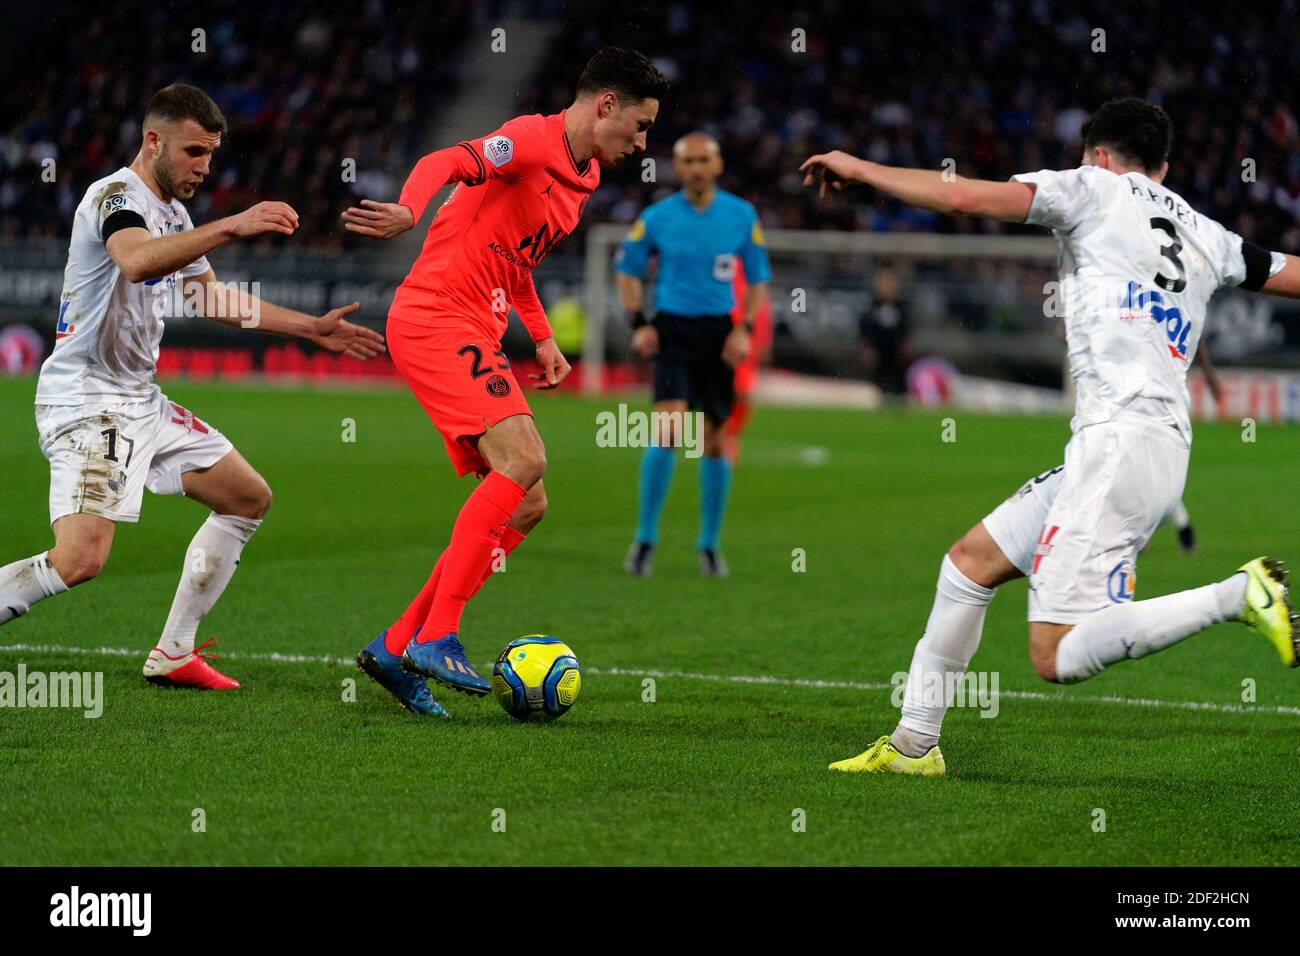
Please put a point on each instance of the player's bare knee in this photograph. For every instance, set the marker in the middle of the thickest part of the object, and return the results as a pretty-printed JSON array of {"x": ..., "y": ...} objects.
[
  {"x": 264, "y": 499},
  {"x": 978, "y": 556},
  {"x": 1042, "y": 655},
  {"x": 76, "y": 565},
  {"x": 524, "y": 467},
  {"x": 966, "y": 556},
  {"x": 532, "y": 467},
  {"x": 252, "y": 501}
]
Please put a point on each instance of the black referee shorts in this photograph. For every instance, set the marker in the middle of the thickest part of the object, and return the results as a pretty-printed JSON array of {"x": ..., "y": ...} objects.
[{"x": 689, "y": 365}]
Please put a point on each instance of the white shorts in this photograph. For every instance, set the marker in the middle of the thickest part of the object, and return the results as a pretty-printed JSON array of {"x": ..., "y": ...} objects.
[
  {"x": 1076, "y": 531},
  {"x": 103, "y": 456}
]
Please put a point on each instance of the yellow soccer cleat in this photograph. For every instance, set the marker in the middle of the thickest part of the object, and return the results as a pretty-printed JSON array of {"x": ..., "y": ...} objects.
[
  {"x": 884, "y": 757},
  {"x": 1268, "y": 608}
]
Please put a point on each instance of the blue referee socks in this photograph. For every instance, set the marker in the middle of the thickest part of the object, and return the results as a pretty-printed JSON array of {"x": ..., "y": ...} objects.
[
  {"x": 715, "y": 480},
  {"x": 656, "y": 475}
]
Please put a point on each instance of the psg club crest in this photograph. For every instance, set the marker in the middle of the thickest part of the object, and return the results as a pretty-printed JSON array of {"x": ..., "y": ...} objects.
[
  {"x": 498, "y": 150},
  {"x": 1122, "y": 583},
  {"x": 498, "y": 387}
]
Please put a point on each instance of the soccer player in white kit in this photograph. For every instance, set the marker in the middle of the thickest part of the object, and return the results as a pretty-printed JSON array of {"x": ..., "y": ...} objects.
[
  {"x": 1137, "y": 267},
  {"x": 108, "y": 431}
]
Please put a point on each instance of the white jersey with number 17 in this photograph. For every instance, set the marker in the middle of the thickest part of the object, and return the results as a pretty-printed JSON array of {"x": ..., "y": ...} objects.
[{"x": 1138, "y": 266}]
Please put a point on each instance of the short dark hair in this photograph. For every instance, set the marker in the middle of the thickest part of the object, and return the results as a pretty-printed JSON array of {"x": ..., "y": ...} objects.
[
  {"x": 179, "y": 102},
  {"x": 629, "y": 74},
  {"x": 1135, "y": 128}
]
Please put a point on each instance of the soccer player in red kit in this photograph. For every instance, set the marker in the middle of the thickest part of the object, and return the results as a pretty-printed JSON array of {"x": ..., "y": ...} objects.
[{"x": 520, "y": 191}]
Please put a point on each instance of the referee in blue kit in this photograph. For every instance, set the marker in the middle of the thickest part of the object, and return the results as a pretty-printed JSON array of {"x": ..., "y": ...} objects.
[{"x": 699, "y": 236}]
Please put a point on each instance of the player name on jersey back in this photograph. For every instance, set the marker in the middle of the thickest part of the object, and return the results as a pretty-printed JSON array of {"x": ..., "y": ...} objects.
[{"x": 1137, "y": 267}]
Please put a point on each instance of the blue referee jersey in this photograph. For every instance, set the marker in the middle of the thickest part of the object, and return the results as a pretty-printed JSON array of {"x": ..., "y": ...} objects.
[{"x": 697, "y": 251}]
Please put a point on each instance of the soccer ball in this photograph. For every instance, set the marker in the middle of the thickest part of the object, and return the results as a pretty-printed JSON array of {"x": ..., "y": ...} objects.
[{"x": 536, "y": 676}]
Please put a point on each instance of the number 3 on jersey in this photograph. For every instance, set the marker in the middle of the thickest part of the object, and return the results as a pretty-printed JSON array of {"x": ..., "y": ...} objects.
[
  {"x": 1170, "y": 252},
  {"x": 1171, "y": 318}
]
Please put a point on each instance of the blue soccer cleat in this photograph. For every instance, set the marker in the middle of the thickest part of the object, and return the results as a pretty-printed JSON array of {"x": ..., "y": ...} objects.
[
  {"x": 444, "y": 660},
  {"x": 385, "y": 669}
]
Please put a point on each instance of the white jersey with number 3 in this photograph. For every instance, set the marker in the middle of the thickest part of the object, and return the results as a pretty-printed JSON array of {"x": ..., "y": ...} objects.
[
  {"x": 109, "y": 329},
  {"x": 1138, "y": 266}
]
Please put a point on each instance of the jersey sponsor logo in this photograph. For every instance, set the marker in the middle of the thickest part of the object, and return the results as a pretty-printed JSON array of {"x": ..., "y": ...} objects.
[
  {"x": 1176, "y": 328},
  {"x": 510, "y": 257},
  {"x": 638, "y": 231},
  {"x": 1121, "y": 585},
  {"x": 64, "y": 328},
  {"x": 1044, "y": 547},
  {"x": 498, "y": 386},
  {"x": 756, "y": 234},
  {"x": 498, "y": 150},
  {"x": 534, "y": 247}
]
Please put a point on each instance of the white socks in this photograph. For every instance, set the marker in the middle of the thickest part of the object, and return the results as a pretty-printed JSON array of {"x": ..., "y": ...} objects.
[
  {"x": 951, "y": 637},
  {"x": 25, "y": 582},
  {"x": 1144, "y": 627},
  {"x": 210, "y": 563}
]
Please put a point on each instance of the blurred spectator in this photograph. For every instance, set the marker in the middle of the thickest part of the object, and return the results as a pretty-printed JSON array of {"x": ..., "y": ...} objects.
[{"x": 886, "y": 350}]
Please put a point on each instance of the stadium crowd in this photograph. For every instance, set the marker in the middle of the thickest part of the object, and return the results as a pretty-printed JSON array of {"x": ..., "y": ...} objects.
[
  {"x": 349, "y": 81},
  {"x": 998, "y": 87}
]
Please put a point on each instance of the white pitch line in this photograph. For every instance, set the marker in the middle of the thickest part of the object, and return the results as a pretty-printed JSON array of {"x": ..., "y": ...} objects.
[{"x": 756, "y": 679}]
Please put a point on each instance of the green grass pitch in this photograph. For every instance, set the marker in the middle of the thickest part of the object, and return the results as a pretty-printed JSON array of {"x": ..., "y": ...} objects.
[{"x": 711, "y": 772}]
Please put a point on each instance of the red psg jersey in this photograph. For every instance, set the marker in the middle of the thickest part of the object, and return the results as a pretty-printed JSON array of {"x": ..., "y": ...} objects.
[{"x": 520, "y": 194}]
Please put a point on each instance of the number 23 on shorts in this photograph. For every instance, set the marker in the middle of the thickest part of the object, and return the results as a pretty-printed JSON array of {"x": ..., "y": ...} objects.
[{"x": 476, "y": 367}]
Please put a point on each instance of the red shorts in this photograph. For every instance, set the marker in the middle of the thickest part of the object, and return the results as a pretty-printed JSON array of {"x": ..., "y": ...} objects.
[{"x": 462, "y": 379}]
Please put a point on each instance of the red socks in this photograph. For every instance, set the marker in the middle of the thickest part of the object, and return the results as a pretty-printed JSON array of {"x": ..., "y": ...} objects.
[
  {"x": 399, "y": 635},
  {"x": 481, "y": 528}
]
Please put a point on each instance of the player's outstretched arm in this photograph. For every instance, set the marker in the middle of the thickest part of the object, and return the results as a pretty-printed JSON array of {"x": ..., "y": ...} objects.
[
  {"x": 925, "y": 188},
  {"x": 142, "y": 257},
  {"x": 385, "y": 220},
  {"x": 233, "y": 306},
  {"x": 1286, "y": 282},
  {"x": 378, "y": 220}
]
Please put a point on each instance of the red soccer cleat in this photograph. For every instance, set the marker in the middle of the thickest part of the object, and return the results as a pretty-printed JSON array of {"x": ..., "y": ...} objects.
[{"x": 192, "y": 670}]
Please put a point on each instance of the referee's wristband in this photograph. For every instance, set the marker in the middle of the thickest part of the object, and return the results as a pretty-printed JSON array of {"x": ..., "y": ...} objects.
[{"x": 638, "y": 319}]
